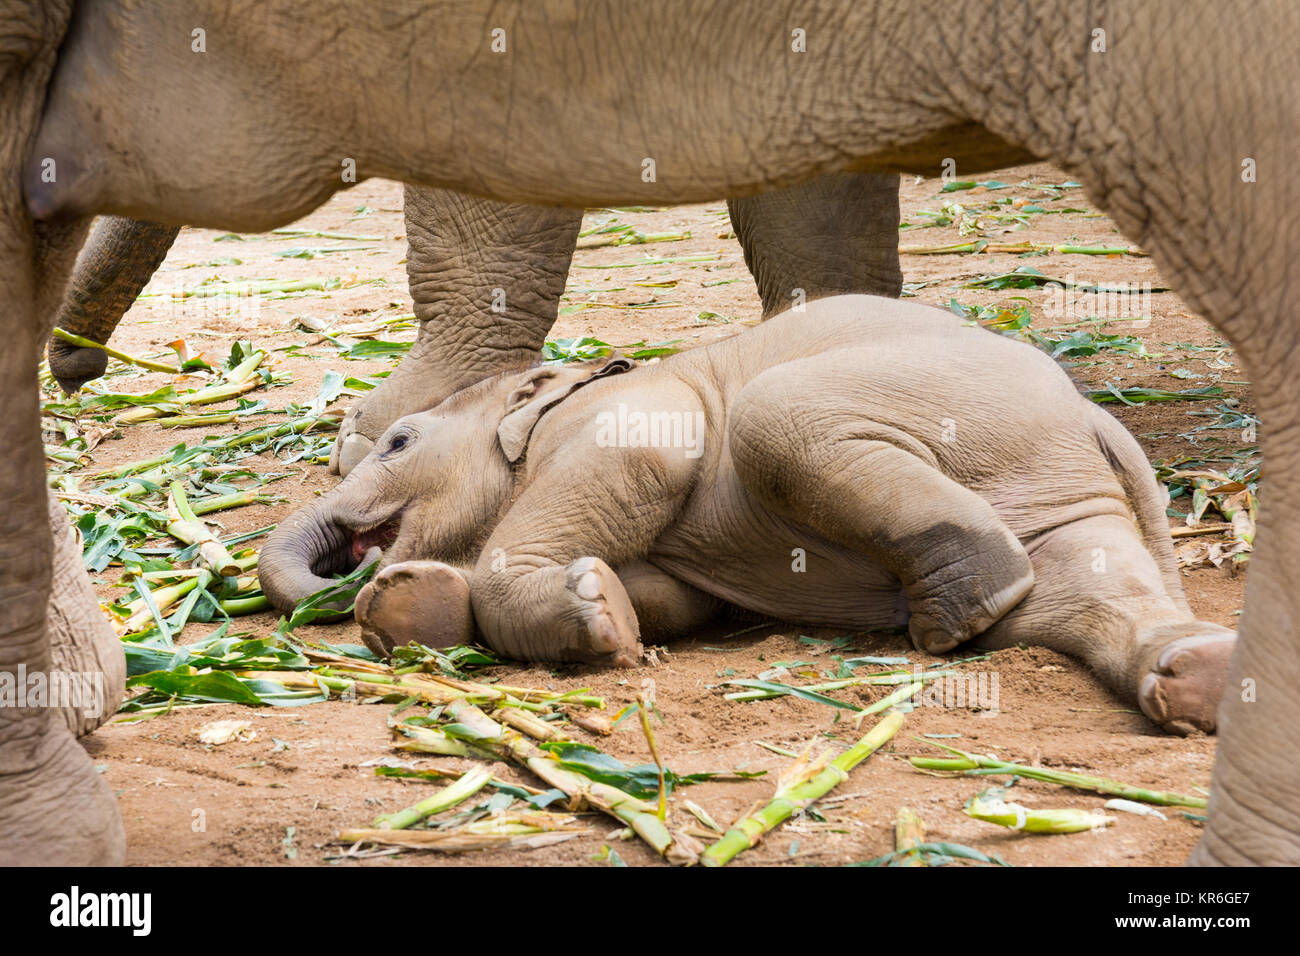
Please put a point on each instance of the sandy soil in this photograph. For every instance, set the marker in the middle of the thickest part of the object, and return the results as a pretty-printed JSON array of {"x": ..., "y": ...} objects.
[{"x": 282, "y": 797}]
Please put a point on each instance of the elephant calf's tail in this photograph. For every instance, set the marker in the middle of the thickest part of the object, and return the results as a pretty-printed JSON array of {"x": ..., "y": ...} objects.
[{"x": 1146, "y": 495}]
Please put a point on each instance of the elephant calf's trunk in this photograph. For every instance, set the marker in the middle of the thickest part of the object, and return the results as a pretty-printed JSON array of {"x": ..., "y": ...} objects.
[{"x": 299, "y": 553}]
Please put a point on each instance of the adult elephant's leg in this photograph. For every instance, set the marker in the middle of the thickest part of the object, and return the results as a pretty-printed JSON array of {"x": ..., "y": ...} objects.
[
  {"x": 833, "y": 235},
  {"x": 54, "y": 808},
  {"x": 1254, "y": 811},
  {"x": 486, "y": 278},
  {"x": 117, "y": 262},
  {"x": 84, "y": 651}
]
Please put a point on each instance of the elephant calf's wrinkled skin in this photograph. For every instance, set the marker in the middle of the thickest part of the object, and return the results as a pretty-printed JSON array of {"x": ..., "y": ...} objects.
[{"x": 866, "y": 464}]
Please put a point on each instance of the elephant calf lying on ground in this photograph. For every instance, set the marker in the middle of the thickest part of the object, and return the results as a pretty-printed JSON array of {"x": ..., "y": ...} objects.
[{"x": 868, "y": 464}]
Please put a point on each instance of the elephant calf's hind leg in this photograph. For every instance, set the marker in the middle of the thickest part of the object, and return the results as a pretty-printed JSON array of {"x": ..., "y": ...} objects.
[
  {"x": 1099, "y": 596},
  {"x": 870, "y": 488}
]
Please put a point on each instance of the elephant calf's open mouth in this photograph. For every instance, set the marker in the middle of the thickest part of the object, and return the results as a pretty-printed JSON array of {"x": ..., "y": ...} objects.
[
  {"x": 304, "y": 553},
  {"x": 381, "y": 536}
]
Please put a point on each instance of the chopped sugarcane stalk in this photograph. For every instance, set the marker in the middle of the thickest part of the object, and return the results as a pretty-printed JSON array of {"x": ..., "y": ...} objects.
[
  {"x": 509, "y": 830},
  {"x": 896, "y": 697},
  {"x": 909, "y": 833},
  {"x": 592, "y": 723},
  {"x": 642, "y": 817},
  {"x": 186, "y": 527},
  {"x": 86, "y": 343},
  {"x": 983, "y": 245},
  {"x": 801, "y": 784},
  {"x": 164, "y": 599},
  {"x": 534, "y": 727},
  {"x": 427, "y": 740},
  {"x": 428, "y": 776},
  {"x": 325, "y": 657},
  {"x": 235, "y": 499},
  {"x": 469, "y": 784},
  {"x": 973, "y": 763}
]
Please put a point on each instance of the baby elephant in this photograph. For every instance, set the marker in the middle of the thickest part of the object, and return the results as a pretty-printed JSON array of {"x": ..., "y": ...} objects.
[{"x": 867, "y": 464}]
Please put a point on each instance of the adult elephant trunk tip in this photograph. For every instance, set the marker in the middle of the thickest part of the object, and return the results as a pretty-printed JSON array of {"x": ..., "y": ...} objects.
[
  {"x": 298, "y": 555},
  {"x": 73, "y": 366}
]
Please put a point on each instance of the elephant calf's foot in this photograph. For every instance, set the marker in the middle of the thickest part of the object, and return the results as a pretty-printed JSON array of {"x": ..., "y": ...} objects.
[
  {"x": 608, "y": 626},
  {"x": 424, "y": 601},
  {"x": 1182, "y": 690},
  {"x": 938, "y": 633}
]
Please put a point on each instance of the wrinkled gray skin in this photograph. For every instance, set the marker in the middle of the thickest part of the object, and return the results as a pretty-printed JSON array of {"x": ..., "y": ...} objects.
[
  {"x": 918, "y": 484},
  {"x": 116, "y": 263},
  {"x": 833, "y": 235},
  {"x": 138, "y": 125}
]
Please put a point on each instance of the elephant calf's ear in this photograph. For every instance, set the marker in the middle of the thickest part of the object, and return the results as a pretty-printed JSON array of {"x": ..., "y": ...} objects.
[{"x": 539, "y": 390}]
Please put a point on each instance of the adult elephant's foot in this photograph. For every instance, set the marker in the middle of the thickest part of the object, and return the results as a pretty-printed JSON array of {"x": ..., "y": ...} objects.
[
  {"x": 350, "y": 447},
  {"x": 1182, "y": 690},
  {"x": 409, "y": 389},
  {"x": 598, "y": 605},
  {"x": 58, "y": 811},
  {"x": 423, "y": 601}
]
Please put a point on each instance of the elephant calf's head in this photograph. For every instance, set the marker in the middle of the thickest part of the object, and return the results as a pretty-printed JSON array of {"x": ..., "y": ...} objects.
[{"x": 432, "y": 487}]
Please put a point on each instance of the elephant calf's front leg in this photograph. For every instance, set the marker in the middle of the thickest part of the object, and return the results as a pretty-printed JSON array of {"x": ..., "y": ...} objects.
[{"x": 574, "y": 612}]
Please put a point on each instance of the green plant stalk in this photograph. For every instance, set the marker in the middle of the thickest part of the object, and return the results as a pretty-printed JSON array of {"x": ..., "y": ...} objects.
[
  {"x": 197, "y": 421},
  {"x": 290, "y": 232},
  {"x": 85, "y": 343},
  {"x": 426, "y": 740},
  {"x": 268, "y": 287},
  {"x": 990, "y": 806},
  {"x": 235, "y": 382},
  {"x": 469, "y": 784},
  {"x": 294, "y": 427},
  {"x": 235, "y": 499},
  {"x": 1077, "y": 781},
  {"x": 371, "y": 685},
  {"x": 121, "y": 471},
  {"x": 523, "y": 721},
  {"x": 528, "y": 698},
  {"x": 903, "y": 693},
  {"x": 798, "y": 794},
  {"x": 247, "y": 605}
]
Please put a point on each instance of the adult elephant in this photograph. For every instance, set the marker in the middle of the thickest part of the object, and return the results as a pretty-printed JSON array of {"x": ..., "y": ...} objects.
[
  {"x": 596, "y": 103},
  {"x": 486, "y": 279}
]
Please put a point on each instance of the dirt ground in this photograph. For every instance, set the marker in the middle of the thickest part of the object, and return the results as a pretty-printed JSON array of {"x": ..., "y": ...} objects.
[{"x": 283, "y": 796}]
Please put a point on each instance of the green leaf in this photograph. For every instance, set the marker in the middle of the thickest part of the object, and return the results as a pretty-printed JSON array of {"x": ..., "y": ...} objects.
[
  {"x": 639, "y": 781},
  {"x": 312, "y": 608},
  {"x": 792, "y": 691}
]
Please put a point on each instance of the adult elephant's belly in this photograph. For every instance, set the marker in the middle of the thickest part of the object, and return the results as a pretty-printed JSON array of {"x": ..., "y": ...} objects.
[{"x": 725, "y": 546}]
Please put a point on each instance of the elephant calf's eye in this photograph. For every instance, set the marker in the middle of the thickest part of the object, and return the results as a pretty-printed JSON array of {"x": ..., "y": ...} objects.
[{"x": 397, "y": 444}]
